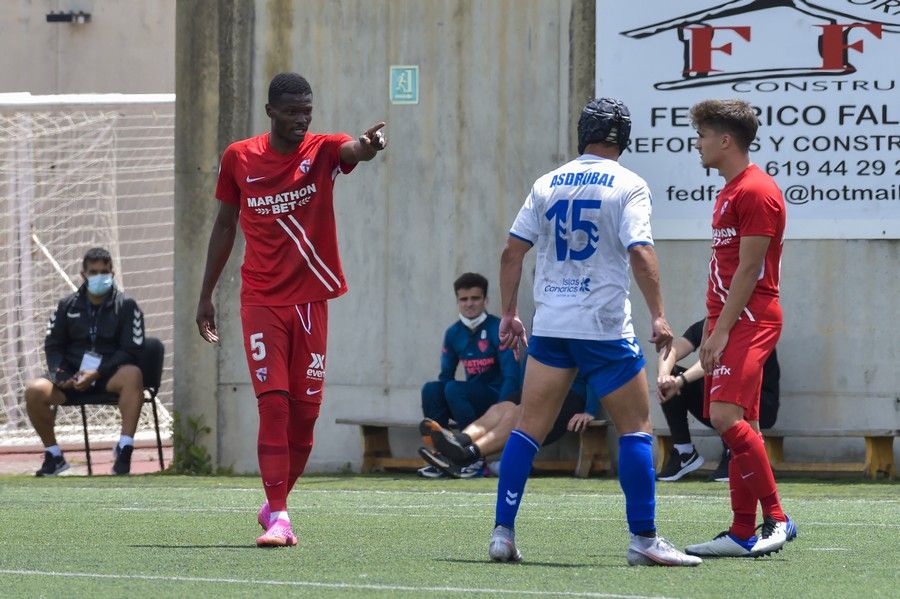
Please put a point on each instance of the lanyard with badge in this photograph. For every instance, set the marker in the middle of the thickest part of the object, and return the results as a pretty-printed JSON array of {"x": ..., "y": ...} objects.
[{"x": 90, "y": 362}]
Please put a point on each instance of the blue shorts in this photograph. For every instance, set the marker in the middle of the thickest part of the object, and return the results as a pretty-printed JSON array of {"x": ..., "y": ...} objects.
[{"x": 606, "y": 365}]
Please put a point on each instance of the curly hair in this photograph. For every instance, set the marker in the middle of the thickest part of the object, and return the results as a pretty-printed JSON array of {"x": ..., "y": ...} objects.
[{"x": 727, "y": 116}]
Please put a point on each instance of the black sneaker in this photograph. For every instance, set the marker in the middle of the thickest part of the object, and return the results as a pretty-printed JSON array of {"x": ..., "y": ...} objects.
[
  {"x": 680, "y": 464},
  {"x": 449, "y": 468},
  {"x": 446, "y": 443},
  {"x": 721, "y": 473},
  {"x": 52, "y": 465},
  {"x": 123, "y": 459}
]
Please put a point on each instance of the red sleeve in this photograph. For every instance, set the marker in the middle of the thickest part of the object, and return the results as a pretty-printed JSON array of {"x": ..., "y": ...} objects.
[
  {"x": 227, "y": 189},
  {"x": 757, "y": 214},
  {"x": 335, "y": 141}
]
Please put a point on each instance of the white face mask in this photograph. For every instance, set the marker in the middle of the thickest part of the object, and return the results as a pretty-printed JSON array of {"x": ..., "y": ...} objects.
[{"x": 473, "y": 323}]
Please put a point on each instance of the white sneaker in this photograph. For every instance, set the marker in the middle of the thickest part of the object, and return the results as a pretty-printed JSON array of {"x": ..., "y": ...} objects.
[
  {"x": 473, "y": 470},
  {"x": 656, "y": 551},
  {"x": 723, "y": 545},
  {"x": 774, "y": 535},
  {"x": 430, "y": 472},
  {"x": 503, "y": 546}
]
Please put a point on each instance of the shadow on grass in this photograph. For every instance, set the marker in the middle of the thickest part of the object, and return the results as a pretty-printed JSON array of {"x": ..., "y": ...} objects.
[
  {"x": 254, "y": 547},
  {"x": 523, "y": 564}
]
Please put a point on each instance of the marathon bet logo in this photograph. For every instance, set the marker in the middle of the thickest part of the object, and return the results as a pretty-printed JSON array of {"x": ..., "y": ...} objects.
[{"x": 316, "y": 368}]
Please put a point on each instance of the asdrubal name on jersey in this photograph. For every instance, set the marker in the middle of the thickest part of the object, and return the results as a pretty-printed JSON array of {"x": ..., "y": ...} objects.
[
  {"x": 282, "y": 203},
  {"x": 588, "y": 178}
]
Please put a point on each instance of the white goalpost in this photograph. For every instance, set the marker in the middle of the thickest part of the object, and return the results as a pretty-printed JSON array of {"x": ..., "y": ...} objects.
[{"x": 78, "y": 171}]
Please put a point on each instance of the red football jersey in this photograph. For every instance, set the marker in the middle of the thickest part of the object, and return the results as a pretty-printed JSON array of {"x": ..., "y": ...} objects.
[
  {"x": 749, "y": 205},
  {"x": 287, "y": 216}
]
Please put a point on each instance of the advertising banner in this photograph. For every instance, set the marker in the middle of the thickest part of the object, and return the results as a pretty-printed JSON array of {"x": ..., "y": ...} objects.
[{"x": 823, "y": 76}]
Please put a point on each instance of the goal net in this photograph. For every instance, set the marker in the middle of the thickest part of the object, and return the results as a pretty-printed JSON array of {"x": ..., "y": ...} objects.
[{"x": 79, "y": 171}]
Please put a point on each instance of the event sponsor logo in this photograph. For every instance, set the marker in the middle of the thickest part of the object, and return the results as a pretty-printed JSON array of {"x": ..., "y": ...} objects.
[
  {"x": 316, "y": 368},
  {"x": 722, "y": 370}
]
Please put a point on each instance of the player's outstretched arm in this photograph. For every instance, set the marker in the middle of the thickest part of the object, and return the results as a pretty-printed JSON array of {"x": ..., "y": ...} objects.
[
  {"x": 365, "y": 147},
  {"x": 646, "y": 272},
  {"x": 221, "y": 240}
]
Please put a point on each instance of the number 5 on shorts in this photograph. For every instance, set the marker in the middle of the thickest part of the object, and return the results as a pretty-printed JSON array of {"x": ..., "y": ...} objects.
[{"x": 257, "y": 346}]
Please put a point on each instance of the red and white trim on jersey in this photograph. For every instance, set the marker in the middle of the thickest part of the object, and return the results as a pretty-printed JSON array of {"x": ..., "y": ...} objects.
[
  {"x": 286, "y": 206},
  {"x": 307, "y": 322},
  {"x": 312, "y": 267},
  {"x": 718, "y": 287}
]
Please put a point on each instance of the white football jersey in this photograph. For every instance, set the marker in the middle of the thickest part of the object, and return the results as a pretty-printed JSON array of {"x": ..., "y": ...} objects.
[{"x": 582, "y": 218}]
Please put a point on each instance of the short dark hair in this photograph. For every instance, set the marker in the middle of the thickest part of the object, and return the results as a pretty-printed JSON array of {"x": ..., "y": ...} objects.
[
  {"x": 95, "y": 254},
  {"x": 727, "y": 116},
  {"x": 467, "y": 280},
  {"x": 288, "y": 83}
]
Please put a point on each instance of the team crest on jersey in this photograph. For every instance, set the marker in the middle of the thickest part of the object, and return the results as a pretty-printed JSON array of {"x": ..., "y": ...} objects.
[
  {"x": 262, "y": 374},
  {"x": 483, "y": 343},
  {"x": 305, "y": 165}
]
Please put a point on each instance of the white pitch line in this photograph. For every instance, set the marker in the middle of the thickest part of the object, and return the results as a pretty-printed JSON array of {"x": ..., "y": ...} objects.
[
  {"x": 324, "y": 585},
  {"x": 457, "y": 516},
  {"x": 304, "y": 491}
]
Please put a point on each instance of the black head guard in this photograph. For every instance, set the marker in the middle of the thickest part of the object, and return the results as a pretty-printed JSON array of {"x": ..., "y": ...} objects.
[{"x": 604, "y": 120}]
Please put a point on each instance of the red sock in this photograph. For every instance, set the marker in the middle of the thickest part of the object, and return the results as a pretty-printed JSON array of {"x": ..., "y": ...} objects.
[
  {"x": 300, "y": 440},
  {"x": 743, "y": 504},
  {"x": 272, "y": 448},
  {"x": 748, "y": 453}
]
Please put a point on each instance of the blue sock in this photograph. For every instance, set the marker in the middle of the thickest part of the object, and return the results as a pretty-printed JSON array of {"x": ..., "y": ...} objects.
[
  {"x": 638, "y": 480},
  {"x": 515, "y": 466}
]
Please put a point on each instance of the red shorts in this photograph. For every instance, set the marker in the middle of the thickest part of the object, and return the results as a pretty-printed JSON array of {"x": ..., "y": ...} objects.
[
  {"x": 738, "y": 378},
  {"x": 285, "y": 347}
]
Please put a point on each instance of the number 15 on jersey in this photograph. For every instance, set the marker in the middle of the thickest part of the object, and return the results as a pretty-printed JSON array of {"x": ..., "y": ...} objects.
[{"x": 563, "y": 228}]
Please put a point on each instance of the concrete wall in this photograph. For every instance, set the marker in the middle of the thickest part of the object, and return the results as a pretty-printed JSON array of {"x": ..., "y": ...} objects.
[
  {"x": 128, "y": 47},
  {"x": 498, "y": 83}
]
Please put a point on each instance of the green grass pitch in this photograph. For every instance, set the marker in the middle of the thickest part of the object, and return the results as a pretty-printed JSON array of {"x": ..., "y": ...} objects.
[{"x": 399, "y": 536}]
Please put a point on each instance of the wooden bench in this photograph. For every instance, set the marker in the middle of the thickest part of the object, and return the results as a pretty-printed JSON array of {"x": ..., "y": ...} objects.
[
  {"x": 879, "y": 450},
  {"x": 593, "y": 454}
]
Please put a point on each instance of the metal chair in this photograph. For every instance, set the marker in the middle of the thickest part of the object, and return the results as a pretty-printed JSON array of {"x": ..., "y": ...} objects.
[{"x": 151, "y": 365}]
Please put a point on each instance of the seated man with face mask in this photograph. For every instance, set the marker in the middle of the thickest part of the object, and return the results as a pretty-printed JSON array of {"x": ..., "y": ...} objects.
[
  {"x": 491, "y": 374},
  {"x": 93, "y": 342}
]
